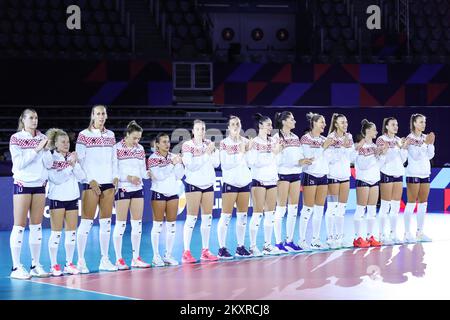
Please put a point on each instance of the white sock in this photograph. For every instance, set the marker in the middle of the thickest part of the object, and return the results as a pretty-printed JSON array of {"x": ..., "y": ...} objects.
[
  {"x": 358, "y": 219},
  {"x": 171, "y": 228},
  {"x": 136, "y": 235},
  {"x": 104, "y": 236},
  {"x": 69, "y": 245},
  {"x": 393, "y": 215},
  {"x": 269, "y": 218},
  {"x": 383, "y": 215},
  {"x": 330, "y": 218},
  {"x": 189, "y": 225},
  {"x": 35, "y": 242},
  {"x": 241, "y": 222},
  {"x": 317, "y": 221},
  {"x": 339, "y": 222},
  {"x": 155, "y": 233},
  {"x": 305, "y": 215},
  {"x": 421, "y": 212},
  {"x": 279, "y": 215},
  {"x": 82, "y": 235},
  {"x": 255, "y": 221},
  {"x": 290, "y": 221},
  {"x": 409, "y": 210},
  {"x": 371, "y": 219},
  {"x": 222, "y": 228},
  {"x": 15, "y": 243},
  {"x": 119, "y": 230},
  {"x": 53, "y": 244},
  {"x": 205, "y": 229}
]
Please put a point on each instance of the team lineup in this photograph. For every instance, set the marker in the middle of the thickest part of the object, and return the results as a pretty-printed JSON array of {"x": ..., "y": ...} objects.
[{"x": 269, "y": 169}]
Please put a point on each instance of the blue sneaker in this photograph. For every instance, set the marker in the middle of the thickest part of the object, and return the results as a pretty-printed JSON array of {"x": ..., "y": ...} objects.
[
  {"x": 292, "y": 247},
  {"x": 281, "y": 247},
  {"x": 224, "y": 254},
  {"x": 242, "y": 252}
]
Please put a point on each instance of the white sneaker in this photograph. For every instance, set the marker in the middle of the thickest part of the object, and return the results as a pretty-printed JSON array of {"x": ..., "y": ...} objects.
[
  {"x": 385, "y": 240},
  {"x": 106, "y": 265},
  {"x": 81, "y": 266},
  {"x": 70, "y": 268},
  {"x": 55, "y": 271},
  {"x": 254, "y": 251},
  {"x": 422, "y": 237},
  {"x": 158, "y": 261},
  {"x": 316, "y": 244},
  {"x": 332, "y": 243},
  {"x": 139, "y": 263},
  {"x": 271, "y": 250},
  {"x": 170, "y": 261},
  {"x": 39, "y": 272},
  {"x": 409, "y": 238},
  {"x": 396, "y": 240},
  {"x": 304, "y": 245},
  {"x": 20, "y": 273},
  {"x": 121, "y": 265}
]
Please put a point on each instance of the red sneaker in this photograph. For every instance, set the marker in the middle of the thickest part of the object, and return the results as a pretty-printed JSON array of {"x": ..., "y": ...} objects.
[
  {"x": 361, "y": 243},
  {"x": 373, "y": 242},
  {"x": 187, "y": 257},
  {"x": 208, "y": 256}
]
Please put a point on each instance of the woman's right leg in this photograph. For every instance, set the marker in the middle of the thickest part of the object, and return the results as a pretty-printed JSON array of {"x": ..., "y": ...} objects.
[
  {"x": 258, "y": 199},
  {"x": 171, "y": 220},
  {"x": 412, "y": 194},
  {"x": 71, "y": 221},
  {"x": 56, "y": 222},
  {"x": 280, "y": 210},
  {"x": 362, "y": 197},
  {"x": 385, "y": 206},
  {"x": 158, "y": 209},
  {"x": 309, "y": 196},
  {"x": 192, "y": 206},
  {"x": 122, "y": 207},
  {"x": 372, "y": 214},
  {"x": 22, "y": 203},
  {"x": 241, "y": 222},
  {"x": 228, "y": 201}
]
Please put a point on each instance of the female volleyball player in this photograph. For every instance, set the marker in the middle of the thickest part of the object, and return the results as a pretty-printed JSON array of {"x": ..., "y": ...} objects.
[
  {"x": 95, "y": 150},
  {"x": 420, "y": 152},
  {"x": 31, "y": 159},
  {"x": 200, "y": 157},
  {"x": 63, "y": 194},
  {"x": 130, "y": 195},
  {"x": 263, "y": 164},
  {"x": 236, "y": 186},
  {"x": 167, "y": 169},
  {"x": 391, "y": 183},
  {"x": 368, "y": 161}
]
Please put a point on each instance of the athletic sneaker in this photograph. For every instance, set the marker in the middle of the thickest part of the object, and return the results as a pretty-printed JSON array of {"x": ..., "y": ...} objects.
[
  {"x": 385, "y": 240},
  {"x": 139, "y": 263},
  {"x": 70, "y": 268},
  {"x": 396, "y": 240},
  {"x": 361, "y": 243},
  {"x": 208, "y": 256},
  {"x": 55, "y": 271},
  {"x": 106, "y": 265},
  {"x": 254, "y": 251},
  {"x": 242, "y": 252},
  {"x": 170, "y": 261},
  {"x": 187, "y": 257},
  {"x": 20, "y": 273},
  {"x": 373, "y": 242},
  {"x": 224, "y": 254},
  {"x": 422, "y": 237},
  {"x": 292, "y": 247},
  {"x": 271, "y": 250},
  {"x": 304, "y": 246},
  {"x": 316, "y": 244},
  {"x": 121, "y": 265},
  {"x": 281, "y": 247},
  {"x": 331, "y": 243},
  {"x": 38, "y": 271},
  {"x": 158, "y": 261},
  {"x": 409, "y": 238},
  {"x": 81, "y": 266}
]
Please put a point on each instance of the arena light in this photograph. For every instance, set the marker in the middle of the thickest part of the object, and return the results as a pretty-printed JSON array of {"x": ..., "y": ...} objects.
[
  {"x": 282, "y": 34},
  {"x": 227, "y": 34},
  {"x": 257, "y": 34}
]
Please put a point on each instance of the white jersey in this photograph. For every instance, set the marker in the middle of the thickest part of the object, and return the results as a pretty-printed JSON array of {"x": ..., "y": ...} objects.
[
  {"x": 235, "y": 170},
  {"x": 199, "y": 165},
  {"x": 130, "y": 162},
  {"x": 262, "y": 161},
  {"x": 95, "y": 151},
  {"x": 63, "y": 179},
  {"x": 367, "y": 164},
  {"x": 165, "y": 174},
  {"x": 419, "y": 156},
  {"x": 340, "y": 157},
  {"x": 288, "y": 158},
  {"x": 312, "y": 148},
  {"x": 395, "y": 157},
  {"x": 29, "y": 167}
]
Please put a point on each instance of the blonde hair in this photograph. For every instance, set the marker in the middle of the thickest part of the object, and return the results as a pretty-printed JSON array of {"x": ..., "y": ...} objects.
[
  {"x": 91, "y": 123},
  {"x": 20, "y": 125},
  {"x": 52, "y": 135}
]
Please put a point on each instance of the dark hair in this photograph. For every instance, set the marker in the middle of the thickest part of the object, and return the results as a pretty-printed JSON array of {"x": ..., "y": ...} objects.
[
  {"x": 365, "y": 125},
  {"x": 386, "y": 122},
  {"x": 159, "y": 136},
  {"x": 313, "y": 117},
  {"x": 259, "y": 119},
  {"x": 20, "y": 125},
  {"x": 132, "y": 127},
  {"x": 278, "y": 120},
  {"x": 413, "y": 119},
  {"x": 334, "y": 118}
]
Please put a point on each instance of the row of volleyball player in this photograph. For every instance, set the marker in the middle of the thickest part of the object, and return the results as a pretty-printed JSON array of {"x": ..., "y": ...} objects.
[{"x": 270, "y": 169}]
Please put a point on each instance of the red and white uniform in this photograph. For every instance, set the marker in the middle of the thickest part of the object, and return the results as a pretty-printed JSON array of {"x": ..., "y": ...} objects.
[
  {"x": 95, "y": 151},
  {"x": 419, "y": 156},
  {"x": 312, "y": 148},
  {"x": 262, "y": 161},
  {"x": 166, "y": 175},
  {"x": 199, "y": 165},
  {"x": 29, "y": 168},
  {"x": 288, "y": 158},
  {"x": 130, "y": 162},
  {"x": 340, "y": 157},
  {"x": 367, "y": 164},
  {"x": 395, "y": 157},
  {"x": 63, "y": 179},
  {"x": 234, "y": 165}
]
